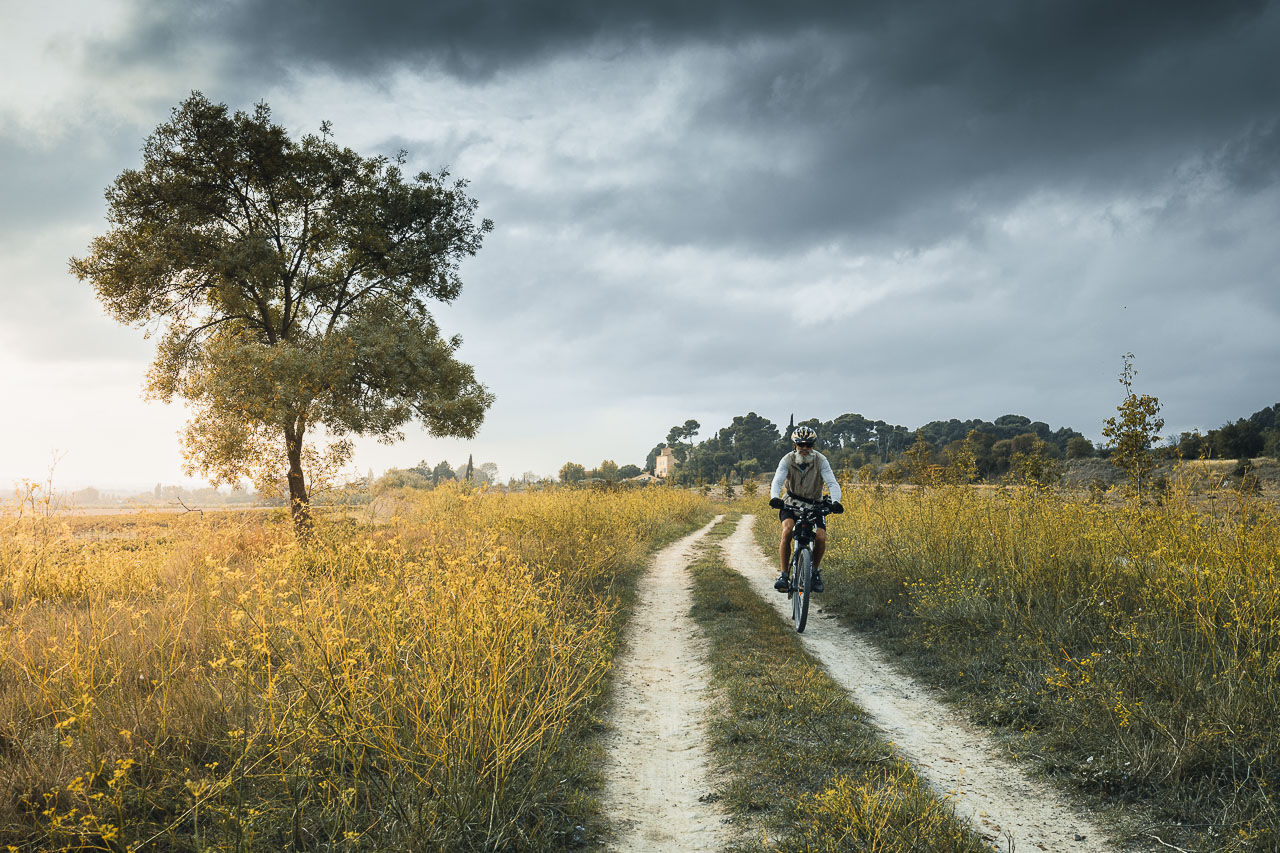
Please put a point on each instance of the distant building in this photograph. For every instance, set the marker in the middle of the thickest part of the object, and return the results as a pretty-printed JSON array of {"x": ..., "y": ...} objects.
[{"x": 665, "y": 464}]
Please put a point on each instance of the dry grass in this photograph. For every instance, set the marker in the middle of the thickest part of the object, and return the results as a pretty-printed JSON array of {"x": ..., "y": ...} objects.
[
  {"x": 202, "y": 683},
  {"x": 803, "y": 770},
  {"x": 1135, "y": 646}
]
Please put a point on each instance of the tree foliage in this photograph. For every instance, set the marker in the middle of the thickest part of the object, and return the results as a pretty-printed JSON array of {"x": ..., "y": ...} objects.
[
  {"x": 572, "y": 472},
  {"x": 1079, "y": 447},
  {"x": 953, "y": 451},
  {"x": 942, "y": 433},
  {"x": 1034, "y": 465},
  {"x": 1256, "y": 435},
  {"x": 289, "y": 282},
  {"x": 1134, "y": 431},
  {"x": 680, "y": 438},
  {"x": 397, "y": 478}
]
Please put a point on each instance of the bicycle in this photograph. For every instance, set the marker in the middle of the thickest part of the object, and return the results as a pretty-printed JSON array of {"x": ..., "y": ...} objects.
[{"x": 807, "y": 518}]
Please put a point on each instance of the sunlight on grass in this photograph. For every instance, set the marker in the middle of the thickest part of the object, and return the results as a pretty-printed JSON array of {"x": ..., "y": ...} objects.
[
  {"x": 410, "y": 682},
  {"x": 1138, "y": 642}
]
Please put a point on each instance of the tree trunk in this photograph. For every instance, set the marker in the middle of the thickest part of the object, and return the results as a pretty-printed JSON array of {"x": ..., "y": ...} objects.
[{"x": 299, "y": 503}]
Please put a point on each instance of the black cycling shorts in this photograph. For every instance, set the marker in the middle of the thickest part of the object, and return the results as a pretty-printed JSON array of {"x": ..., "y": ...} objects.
[{"x": 786, "y": 512}]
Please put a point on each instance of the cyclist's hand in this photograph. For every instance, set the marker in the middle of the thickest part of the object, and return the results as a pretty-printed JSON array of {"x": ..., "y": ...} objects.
[
  {"x": 837, "y": 507},
  {"x": 776, "y": 503}
]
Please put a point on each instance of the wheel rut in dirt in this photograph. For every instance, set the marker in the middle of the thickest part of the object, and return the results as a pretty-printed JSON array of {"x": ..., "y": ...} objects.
[
  {"x": 1007, "y": 807},
  {"x": 658, "y": 772}
]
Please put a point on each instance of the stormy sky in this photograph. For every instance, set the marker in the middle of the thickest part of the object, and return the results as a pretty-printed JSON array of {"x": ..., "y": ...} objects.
[{"x": 911, "y": 211}]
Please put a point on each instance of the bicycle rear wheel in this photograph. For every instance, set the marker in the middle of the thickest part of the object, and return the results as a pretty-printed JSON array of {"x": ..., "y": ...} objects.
[{"x": 802, "y": 584}]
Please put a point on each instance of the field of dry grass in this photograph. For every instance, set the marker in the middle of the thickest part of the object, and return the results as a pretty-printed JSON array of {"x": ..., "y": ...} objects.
[
  {"x": 422, "y": 681},
  {"x": 428, "y": 673},
  {"x": 1131, "y": 647}
]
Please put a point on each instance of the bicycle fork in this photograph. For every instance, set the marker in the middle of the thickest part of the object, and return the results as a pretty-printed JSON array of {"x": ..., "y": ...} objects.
[{"x": 794, "y": 568}]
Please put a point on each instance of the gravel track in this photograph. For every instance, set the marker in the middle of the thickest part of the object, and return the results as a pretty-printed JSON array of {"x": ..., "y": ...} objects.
[
  {"x": 1008, "y": 808},
  {"x": 658, "y": 772}
]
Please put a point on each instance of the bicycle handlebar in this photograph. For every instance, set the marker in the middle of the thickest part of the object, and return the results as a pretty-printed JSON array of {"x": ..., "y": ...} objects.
[{"x": 824, "y": 506}]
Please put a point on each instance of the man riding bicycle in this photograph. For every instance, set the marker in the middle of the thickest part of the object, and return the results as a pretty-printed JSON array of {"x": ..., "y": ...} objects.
[{"x": 803, "y": 471}]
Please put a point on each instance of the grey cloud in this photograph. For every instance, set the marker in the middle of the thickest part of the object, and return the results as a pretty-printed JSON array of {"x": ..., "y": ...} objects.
[
  {"x": 889, "y": 153},
  {"x": 904, "y": 119},
  {"x": 469, "y": 38},
  {"x": 882, "y": 128},
  {"x": 45, "y": 182},
  {"x": 1049, "y": 41},
  {"x": 1252, "y": 161},
  {"x": 51, "y": 202}
]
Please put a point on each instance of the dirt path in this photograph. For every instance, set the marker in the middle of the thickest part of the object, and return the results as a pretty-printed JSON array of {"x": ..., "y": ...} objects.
[
  {"x": 658, "y": 767},
  {"x": 959, "y": 761}
]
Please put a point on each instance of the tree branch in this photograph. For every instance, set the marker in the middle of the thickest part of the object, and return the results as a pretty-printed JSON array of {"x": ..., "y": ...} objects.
[
  {"x": 190, "y": 509},
  {"x": 190, "y": 336},
  {"x": 263, "y": 309}
]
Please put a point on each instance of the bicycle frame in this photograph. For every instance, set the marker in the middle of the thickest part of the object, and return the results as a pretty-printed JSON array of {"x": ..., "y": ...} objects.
[{"x": 802, "y": 541}]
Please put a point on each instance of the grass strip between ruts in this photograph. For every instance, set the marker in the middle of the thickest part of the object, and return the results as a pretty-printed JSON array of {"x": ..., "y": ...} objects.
[{"x": 803, "y": 769}]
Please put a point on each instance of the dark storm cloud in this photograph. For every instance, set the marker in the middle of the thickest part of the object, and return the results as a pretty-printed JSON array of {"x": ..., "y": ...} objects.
[
  {"x": 912, "y": 131},
  {"x": 1252, "y": 161},
  {"x": 470, "y": 39},
  {"x": 1045, "y": 42},
  {"x": 898, "y": 120}
]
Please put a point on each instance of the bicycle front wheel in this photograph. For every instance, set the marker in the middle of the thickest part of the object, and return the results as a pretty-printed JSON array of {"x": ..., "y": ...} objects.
[{"x": 802, "y": 583}]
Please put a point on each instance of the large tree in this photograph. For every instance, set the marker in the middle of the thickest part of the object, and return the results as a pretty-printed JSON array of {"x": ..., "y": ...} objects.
[{"x": 289, "y": 281}]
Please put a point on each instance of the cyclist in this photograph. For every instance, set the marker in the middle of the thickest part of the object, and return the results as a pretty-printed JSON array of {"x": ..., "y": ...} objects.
[{"x": 803, "y": 471}]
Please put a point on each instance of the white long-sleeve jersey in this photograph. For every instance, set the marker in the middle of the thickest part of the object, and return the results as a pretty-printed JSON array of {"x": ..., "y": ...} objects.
[{"x": 784, "y": 468}]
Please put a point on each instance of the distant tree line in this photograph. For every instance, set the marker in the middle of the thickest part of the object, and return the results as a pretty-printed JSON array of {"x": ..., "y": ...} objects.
[
  {"x": 162, "y": 494},
  {"x": 752, "y": 445},
  {"x": 607, "y": 471},
  {"x": 1256, "y": 435},
  {"x": 425, "y": 475},
  {"x": 1009, "y": 444}
]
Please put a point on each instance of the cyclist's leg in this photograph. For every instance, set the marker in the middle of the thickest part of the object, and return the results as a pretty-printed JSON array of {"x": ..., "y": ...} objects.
[
  {"x": 784, "y": 548},
  {"x": 819, "y": 546}
]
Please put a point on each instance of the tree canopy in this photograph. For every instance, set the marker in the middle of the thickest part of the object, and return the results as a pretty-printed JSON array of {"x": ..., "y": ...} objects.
[
  {"x": 682, "y": 433},
  {"x": 289, "y": 282},
  {"x": 1258, "y": 434},
  {"x": 572, "y": 472},
  {"x": 752, "y": 444}
]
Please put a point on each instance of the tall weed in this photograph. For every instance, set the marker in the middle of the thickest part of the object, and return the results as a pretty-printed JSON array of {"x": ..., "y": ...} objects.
[
  {"x": 418, "y": 682},
  {"x": 1137, "y": 642}
]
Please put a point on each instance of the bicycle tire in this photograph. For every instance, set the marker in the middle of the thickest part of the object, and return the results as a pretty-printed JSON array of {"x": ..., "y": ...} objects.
[{"x": 802, "y": 580}]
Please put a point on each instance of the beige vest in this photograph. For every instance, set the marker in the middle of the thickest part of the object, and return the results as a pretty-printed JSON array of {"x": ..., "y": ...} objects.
[{"x": 805, "y": 483}]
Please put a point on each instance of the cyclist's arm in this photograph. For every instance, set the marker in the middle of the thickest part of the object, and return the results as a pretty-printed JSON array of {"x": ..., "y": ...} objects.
[
  {"x": 779, "y": 477},
  {"x": 829, "y": 478}
]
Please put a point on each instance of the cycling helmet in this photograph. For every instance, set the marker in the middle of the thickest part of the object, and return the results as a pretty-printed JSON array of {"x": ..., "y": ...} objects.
[{"x": 804, "y": 435}]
